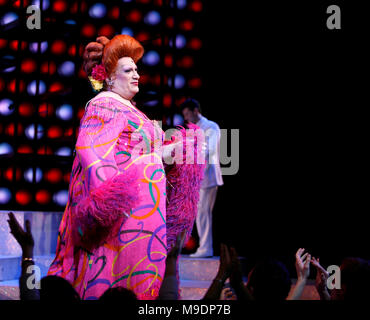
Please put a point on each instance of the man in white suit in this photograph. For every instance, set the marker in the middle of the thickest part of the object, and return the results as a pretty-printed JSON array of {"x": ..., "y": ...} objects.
[{"x": 212, "y": 176}]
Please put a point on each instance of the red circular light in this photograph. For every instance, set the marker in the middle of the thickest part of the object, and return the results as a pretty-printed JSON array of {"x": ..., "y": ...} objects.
[
  {"x": 12, "y": 83},
  {"x": 25, "y": 149},
  {"x": 54, "y": 175},
  {"x": 9, "y": 130},
  {"x": 142, "y": 36},
  {"x": 23, "y": 197},
  {"x": 187, "y": 25},
  {"x": 45, "y": 110},
  {"x": 43, "y": 196},
  {"x": 59, "y": 6},
  {"x": 186, "y": 62},
  {"x": 48, "y": 67},
  {"x": 55, "y": 87},
  {"x": 196, "y": 6},
  {"x": 134, "y": 16},
  {"x": 195, "y": 43},
  {"x": 195, "y": 83},
  {"x": 3, "y": 43},
  {"x": 170, "y": 22},
  {"x": 8, "y": 174},
  {"x": 25, "y": 109},
  {"x": 106, "y": 30},
  {"x": 68, "y": 132},
  {"x": 67, "y": 177},
  {"x": 28, "y": 66},
  {"x": 167, "y": 100},
  {"x": 14, "y": 45},
  {"x": 114, "y": 13},
  {"x": 58, "y": 47},
  {"x": 168, "y": 60},
  {"x": 88, "y": 30},
  {"x": 80, "y": 113},
  {"x": 144, "y": 78},
  {"x": 45, "y": 150},
  {"x": 54, "y": 132},
  {"x": 190, "y": 244}
]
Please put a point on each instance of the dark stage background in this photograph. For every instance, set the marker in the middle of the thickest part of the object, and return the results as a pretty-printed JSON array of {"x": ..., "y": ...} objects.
[{"x": 298, "y": 93}]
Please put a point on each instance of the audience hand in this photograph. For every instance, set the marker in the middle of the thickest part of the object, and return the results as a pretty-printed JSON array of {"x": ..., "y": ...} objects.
[
  {"x": 225, "y": 267},
  {"x": 321, "y": 279},
  {"x": 24, "y": 238},
  {"x": 302, "y": 264},
  {"x": 93, "y": 53},
  {"x": 227, "y": 294},
  {"x": 176, "y": 250}
]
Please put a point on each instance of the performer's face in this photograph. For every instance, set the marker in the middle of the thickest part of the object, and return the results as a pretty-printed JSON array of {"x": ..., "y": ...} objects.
[{"x": 126, "y": 80}]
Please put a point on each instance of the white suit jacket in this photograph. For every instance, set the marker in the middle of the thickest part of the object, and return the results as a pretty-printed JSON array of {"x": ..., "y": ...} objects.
[{"x": 212, "y": 174}]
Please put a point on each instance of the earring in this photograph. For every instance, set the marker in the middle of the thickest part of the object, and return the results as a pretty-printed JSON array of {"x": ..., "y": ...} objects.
[{"x": 110, "y": 82}]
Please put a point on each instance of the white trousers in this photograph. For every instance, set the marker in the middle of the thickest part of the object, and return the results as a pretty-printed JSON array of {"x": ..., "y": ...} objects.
[{"x": 207, "y": 198}]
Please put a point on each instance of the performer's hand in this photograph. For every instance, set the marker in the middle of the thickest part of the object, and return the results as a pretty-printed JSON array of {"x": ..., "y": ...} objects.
[
  {"x": 23, "y": 237},
  {"x": 302, "y": 264},
  {"x": 93, "y": 53}
]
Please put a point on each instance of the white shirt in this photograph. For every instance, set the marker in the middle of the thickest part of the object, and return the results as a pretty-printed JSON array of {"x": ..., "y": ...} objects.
[{"x": 212, "y": 174}]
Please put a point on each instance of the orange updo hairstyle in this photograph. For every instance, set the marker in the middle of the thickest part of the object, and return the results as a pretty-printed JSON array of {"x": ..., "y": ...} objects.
[{"x": 121, "y": 46}]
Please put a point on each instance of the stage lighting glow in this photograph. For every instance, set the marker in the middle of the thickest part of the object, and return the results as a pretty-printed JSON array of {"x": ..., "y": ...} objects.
[
  {"x": 54, "y": 175},
  {"x": 5, "y": 148},
  {"x": 151, "y": 58},
  {"x": 179, "y": 81},
  {"x": 8, "y": 17},
  {"x": 66, "y": 69},
  {"x": 25, "y": 109},
  {"x": 5, "y": 107},
  {"x": 23, "y": 197},
  {"x": 61, "y": 197},
  {"x": 28, "y": 66},
  {"x": 58, "y": 47},
  {"x": 5, "y": 195},
  {"x": 181, "y": 4},
  {"x": 98, "y": 10},
  {"x": 42, "y": 196},
  {"x": 28, "y": 175},
  {"x": 8, "y": 70},
  {"x": 180, "y": 41},
  {"x": 64, "y": 152},
  {"x": 64, "y": 112},
  {"x": 70, "y": 22},
  {"x": 152, "y": 18},
  {"x": 178, "y": 120},
  {"x": 31, "y": 88},
  {"x": 128, "y": 31},
  {"x": 45, "y": 3},
  {"x": 34, "y": 46},
  {"x": 30, "y": 131}
]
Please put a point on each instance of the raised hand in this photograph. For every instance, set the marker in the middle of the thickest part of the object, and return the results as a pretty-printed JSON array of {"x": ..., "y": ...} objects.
[
  {"x": 321, "y": 279},
  {"x": 302, "y": 263},
  {"x": 23, "y": 237}
]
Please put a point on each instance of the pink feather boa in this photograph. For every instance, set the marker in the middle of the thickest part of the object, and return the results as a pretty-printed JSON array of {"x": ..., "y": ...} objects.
[
  {"x": 95, "y": 215},
  {"x": 184, "y": 182}
]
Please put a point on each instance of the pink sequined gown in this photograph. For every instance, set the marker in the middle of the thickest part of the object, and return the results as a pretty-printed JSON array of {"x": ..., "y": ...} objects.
[{"x": 119, "y": 180}]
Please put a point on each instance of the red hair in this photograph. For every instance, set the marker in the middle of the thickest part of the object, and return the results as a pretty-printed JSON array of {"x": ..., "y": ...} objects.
[{"x": 121, "y": 46}]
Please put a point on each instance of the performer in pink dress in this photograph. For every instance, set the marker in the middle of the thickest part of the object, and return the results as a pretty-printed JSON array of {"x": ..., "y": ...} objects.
[{"x": 122, "y": 217}]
